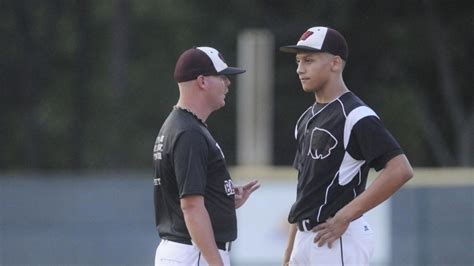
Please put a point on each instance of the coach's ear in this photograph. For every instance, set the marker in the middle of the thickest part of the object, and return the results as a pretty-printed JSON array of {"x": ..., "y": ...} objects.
[{"x": 201, "y": 81}]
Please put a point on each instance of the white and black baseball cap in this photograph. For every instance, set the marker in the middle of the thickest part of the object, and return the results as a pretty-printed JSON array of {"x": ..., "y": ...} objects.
[
  {"x": 202, "y": 61},
  {"x": 320, "y": 39}
]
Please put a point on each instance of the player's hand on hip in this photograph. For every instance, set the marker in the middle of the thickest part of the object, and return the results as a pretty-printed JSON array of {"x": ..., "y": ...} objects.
[
  {"x": 330, "y": 231},
  {"x": 242, "y": 193}
]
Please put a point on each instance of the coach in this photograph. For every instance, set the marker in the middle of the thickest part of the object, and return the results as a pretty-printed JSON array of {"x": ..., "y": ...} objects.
[{"x": 195, "y": 199}]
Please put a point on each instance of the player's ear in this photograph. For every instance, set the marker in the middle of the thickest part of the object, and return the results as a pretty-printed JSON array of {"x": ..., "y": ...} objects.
[{"x": 337, "y": 63}]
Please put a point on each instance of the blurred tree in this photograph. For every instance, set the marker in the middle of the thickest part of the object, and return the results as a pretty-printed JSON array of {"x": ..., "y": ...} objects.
[
  {"x": 80, "y": 97},
  {"x": 27, "y": 78},
  {"x": 87, "y": 84},
  {"x": 460, "y": 151},
  {"x": 119, "y": 58}
]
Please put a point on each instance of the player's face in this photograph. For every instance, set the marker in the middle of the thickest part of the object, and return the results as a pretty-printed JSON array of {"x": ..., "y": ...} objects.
[
  {"x": 218, "y": 88},
  {"x": 313, "y": 70}
]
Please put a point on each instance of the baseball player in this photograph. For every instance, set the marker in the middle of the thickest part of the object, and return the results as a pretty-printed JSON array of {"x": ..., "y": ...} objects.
[
  {"x": 195, "y": 199},
  {"x": 339, "y": 138}
]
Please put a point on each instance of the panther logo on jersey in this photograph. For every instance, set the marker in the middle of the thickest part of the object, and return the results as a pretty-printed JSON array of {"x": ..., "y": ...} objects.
[{"x": 322, "y": 143}]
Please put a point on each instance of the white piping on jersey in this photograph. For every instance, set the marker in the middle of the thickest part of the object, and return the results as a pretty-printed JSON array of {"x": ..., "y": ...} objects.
[
  {"x": 320, "y": 110},
  {"x": 350, "y": 166},
  {"x": 358, "y": 184},
  {"x": 326, "y": 197},
  {"x": 348, "y": 169},
  {"x": 297, "y": 122},
  {"x": 360, "y": 177},
  {"x": 343, "y": 108},
  {"x": 327, "y": 193},
  {"x": 354, "y": 117},
  {"x": 315, "y": 114}
]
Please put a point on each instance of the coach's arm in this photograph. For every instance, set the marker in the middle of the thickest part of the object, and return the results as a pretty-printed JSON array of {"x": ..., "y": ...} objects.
[{"x": 200, "y": 227}]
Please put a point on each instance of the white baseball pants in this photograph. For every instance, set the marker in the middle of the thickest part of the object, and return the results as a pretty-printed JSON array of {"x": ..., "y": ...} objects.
[
  {"x": 354, "y": 248},
  {"x": 173, "y": 253}
]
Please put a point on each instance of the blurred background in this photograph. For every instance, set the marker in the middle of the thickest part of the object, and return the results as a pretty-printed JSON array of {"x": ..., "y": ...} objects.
[{"x": 85, "y": 86}]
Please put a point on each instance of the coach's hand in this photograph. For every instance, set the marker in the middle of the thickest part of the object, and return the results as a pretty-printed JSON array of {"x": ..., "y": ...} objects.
[
  {"x": 242, "y": 193},
  {"x": 330, "y": 231}
]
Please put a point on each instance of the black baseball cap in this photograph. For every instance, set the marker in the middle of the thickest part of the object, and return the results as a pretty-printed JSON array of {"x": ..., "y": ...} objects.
[
  {"x": 202, "y": 61},
  {"x": 320, "y": 39}
]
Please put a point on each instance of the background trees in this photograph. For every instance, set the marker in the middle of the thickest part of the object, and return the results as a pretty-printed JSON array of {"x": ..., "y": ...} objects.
[{"x": 86, "y": 84}]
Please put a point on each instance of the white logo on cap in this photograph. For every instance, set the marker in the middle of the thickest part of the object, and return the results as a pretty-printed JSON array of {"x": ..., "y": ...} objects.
[
  {"x": 316, "y": 39},
  {"x": 213, "y": 54}
]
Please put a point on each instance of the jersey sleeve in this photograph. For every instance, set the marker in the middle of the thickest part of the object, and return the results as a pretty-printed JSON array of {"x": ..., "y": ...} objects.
[
  {"x": 372, "y": 142},
  {"x": 190, "y": 157}
]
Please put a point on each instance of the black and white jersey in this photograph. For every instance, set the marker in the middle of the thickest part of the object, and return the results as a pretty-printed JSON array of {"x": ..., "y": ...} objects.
[
  {"x": 188, "y": 161},
  {"x": 337, "y": 144}
]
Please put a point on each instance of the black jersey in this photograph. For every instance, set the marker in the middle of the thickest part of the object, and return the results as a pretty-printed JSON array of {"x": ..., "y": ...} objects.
[
  {"x": 188, "y": 161},
  {"x": 337, "y": 144}
]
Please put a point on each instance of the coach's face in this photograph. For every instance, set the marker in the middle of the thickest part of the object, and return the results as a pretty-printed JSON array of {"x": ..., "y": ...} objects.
[
  {"x": 218, "y": 86},
  {"x": 313, "y": 69}
]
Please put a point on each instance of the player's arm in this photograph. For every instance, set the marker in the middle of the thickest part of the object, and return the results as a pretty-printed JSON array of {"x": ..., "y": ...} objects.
[
  {"x": 289, "y": 246},
  {"x": 397, "y": 172},
  {"x": 190, "y": 164},
  {"x": 200, "y": 228}
]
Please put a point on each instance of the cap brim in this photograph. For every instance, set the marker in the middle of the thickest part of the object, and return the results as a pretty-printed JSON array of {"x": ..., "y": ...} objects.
[
  {"x": 298, "y": 48},
  {"x": 232, "y": 71}
]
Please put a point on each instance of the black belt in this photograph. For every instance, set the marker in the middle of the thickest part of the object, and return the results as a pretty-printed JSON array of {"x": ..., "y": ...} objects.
[
  {"x": 225, "y": 246},
  {"x": 307, "y": 224}
]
